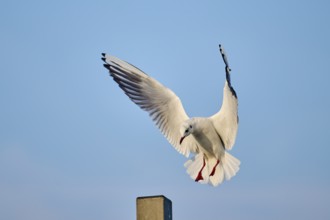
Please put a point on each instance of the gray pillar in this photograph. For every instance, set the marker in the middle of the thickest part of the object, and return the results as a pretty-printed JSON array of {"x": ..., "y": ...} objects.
[{"x": 153, "y": 208}]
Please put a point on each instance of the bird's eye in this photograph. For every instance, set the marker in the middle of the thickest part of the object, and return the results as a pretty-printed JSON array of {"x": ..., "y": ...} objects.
[
  {"x": 186, "y": 131},
  {"x": 190, "y": 126}
]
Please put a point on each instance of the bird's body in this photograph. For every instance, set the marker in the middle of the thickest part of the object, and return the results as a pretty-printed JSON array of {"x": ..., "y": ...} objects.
[
  {"x": 208, "y": 138},
  {"x": 211, "y": 144}
]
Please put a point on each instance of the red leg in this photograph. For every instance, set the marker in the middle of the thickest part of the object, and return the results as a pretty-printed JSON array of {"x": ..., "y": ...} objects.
[
  {"x": 199, "y": 176},
  {"x": 213, "y": 170}
]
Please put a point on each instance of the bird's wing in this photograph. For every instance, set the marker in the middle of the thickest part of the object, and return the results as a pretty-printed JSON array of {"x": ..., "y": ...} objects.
[
  {"x": 163, "y": 106},
  {"x": 226, "y": 120}
]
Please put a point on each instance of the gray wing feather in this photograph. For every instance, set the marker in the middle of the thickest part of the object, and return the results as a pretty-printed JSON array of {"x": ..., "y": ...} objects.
[
  {"x": 226, "y": 120},
  {"x": 163, "y": 106}
]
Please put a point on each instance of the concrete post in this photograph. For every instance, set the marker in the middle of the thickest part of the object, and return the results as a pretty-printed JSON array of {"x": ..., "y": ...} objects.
[{"x": 153, "y": 208}]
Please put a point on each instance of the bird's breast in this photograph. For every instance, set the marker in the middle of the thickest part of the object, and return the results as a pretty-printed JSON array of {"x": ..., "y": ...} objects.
[{"x": 209, "y": 141}]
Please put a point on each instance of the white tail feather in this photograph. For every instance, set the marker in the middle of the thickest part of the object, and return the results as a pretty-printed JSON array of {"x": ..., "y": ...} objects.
[
  {"x": 230, "y": 165},
  {"x": 226, "y": 169}
]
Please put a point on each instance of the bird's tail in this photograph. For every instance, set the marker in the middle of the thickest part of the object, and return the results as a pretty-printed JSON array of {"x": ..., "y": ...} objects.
[{"x": 211, "y": 170}]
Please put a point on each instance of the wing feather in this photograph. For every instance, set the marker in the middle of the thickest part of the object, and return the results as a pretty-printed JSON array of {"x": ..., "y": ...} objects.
[
  {"x": 163, "y": 106},
  {"x": 226, "y": 120}
]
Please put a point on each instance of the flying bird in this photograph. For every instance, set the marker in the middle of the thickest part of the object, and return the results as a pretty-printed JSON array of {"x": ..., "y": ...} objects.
[{"x": 208, "y": 139}]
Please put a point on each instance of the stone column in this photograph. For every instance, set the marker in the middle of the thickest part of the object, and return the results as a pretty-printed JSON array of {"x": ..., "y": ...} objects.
[{"x": 153, "y": 208}]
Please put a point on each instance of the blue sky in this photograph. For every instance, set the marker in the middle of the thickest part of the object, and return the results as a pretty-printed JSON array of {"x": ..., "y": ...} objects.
[{"x": 73, "y": 146}]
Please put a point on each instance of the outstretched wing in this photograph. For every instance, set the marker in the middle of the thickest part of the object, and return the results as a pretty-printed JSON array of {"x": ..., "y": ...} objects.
[
  {"x": 226, "y": 120},
  {"x": 164, "y": 107}
]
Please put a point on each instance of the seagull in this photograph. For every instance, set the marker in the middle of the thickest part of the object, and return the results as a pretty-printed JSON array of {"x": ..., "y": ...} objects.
[{"x": 208, "y": 139}]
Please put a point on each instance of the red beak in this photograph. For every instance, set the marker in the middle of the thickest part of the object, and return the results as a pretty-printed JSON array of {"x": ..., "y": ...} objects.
[{"x": 181, "y": 139}]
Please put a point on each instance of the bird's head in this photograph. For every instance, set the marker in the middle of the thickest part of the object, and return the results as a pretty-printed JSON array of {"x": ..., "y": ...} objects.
[{"x": 186, "y": 129}]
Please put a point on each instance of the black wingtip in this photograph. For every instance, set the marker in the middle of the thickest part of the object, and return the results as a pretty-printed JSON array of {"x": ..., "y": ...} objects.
[
  {"x": 106, "y": 65},
  {"x": 103, "y": 54},
  {"x": 224, "y": 56},
  {"x": 220, "y": 48},
  {"x": 103, "y": 58}
]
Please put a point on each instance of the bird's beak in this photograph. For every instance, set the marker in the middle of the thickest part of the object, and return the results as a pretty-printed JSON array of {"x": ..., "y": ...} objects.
[{"x": 181, "y": 139}]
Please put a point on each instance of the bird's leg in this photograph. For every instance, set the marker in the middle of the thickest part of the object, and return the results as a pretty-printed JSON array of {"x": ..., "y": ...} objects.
[
  {"x": 215, "y": 166},
  {"x": 199, "y": 176}
]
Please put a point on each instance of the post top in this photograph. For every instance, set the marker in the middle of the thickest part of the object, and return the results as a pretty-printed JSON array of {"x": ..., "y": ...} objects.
[{"x": 150, "y": 197}]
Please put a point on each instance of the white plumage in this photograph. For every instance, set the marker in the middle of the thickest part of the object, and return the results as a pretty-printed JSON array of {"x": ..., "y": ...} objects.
[{"x": 207, "y": 138}]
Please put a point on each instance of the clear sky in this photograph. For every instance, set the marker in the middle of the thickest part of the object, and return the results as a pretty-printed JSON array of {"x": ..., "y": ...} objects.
[{"x": 73, "y": 146}]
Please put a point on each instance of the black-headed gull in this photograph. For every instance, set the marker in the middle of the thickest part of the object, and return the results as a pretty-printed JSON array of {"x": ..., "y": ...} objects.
[{"x": 208, "y": 138}]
